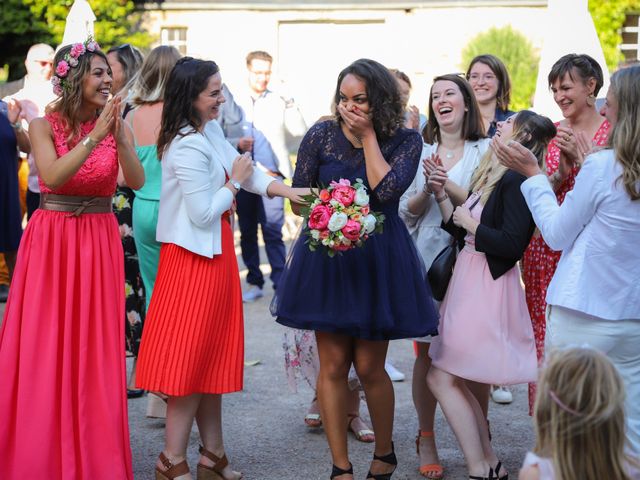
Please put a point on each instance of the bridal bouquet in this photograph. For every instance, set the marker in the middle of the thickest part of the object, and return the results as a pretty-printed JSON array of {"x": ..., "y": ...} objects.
[{"x": 339, "y": 217}]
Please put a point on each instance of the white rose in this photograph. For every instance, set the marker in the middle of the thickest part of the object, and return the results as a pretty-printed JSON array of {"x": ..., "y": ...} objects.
[
  {"x": 362, "y": 197},
  {"x": 315, "y": 234},
  {"x": 369, "y": 223},
  {"x": 337, "y": 221}
]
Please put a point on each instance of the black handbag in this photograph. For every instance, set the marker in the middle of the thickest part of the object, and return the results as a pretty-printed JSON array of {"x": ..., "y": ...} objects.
[{"x": 441, "y": 270}]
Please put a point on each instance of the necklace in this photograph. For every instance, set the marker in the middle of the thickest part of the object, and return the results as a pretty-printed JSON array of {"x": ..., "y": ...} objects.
[{"x": 449, "y": 154}]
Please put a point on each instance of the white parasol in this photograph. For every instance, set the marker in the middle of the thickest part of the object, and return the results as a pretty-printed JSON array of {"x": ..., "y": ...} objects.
[
  {"x": 570, "y": 29},
  {"x": 79, "y": 24}
]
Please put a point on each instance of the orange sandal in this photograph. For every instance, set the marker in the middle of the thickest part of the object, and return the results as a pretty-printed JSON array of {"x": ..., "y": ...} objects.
[{"x": 433, "y": 471}]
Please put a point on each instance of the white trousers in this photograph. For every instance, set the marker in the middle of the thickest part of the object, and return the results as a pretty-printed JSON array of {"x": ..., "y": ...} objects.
[{"x": 618, "y": 339}]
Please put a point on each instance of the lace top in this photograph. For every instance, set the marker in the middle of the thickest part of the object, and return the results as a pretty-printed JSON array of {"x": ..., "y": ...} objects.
[
  {"x": 325, "y": 154},
  {"x": 99, "y": 173}
]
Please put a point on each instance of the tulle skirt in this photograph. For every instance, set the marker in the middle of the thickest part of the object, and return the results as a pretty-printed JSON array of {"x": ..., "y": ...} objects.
[
  {"x": 375, "y": 292},
  {"x": 63, "y": 403}
]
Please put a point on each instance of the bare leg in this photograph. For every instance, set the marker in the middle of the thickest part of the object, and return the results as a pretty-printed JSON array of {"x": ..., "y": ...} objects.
[
  {"x": 425, "y": 404},
  {"x": 10, "y": 260},
  {"x": 481, "y": 423},
  {"x": 336, "y": 355},
  {"x": 180, "y": 414},
  {"x": 369, "y": 357},
  {"x": 355, "y": 421},
  {"x": 209, "y": 419},
  {"x": 449, "y": 390},
  {"x": 481, "y": 391},
  {"x": 132, "y": 378}
]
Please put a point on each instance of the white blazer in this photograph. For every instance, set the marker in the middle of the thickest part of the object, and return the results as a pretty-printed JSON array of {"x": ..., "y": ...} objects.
[
  {"x": 192, "y": 197},
  {"x": 597, "y": 227}
]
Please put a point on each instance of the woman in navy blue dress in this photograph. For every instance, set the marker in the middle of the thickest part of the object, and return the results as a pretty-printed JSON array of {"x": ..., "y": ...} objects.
[{"x": 357, "y": 301}]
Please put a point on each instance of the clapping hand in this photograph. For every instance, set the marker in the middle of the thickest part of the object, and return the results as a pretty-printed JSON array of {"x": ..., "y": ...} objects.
[
  {"x": 429, "y": 165},
  {"x": 105, "y": 122},
  {"x": 358, "y": 123},
  {"x": 585, "y": 147},
  {"x": 413, "y": 118},
  {"x": 14, "y": 108},
  {"x": 566, "y": 141},
  {"x": 516, "y": 156}
]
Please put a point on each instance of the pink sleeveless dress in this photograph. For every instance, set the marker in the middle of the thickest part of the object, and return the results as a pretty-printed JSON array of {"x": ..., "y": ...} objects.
[
  {"x": 63, "y": 406},
  {"x": 485, "y": 331}
]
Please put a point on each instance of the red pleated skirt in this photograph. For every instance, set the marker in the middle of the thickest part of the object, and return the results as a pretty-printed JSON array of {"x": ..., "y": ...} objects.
[
  {"x": 193, "y": 339},
  {"x": 63, "y": 407}
]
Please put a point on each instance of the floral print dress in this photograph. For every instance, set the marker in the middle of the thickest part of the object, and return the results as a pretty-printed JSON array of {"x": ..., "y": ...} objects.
[{"x": 133, "y": 286}]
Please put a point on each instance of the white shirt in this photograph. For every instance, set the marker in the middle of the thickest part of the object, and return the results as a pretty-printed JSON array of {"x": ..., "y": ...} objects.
[
  {"x": 425, "y": 229},
  {"x": 193, "y": 197},
  {"x": 598, "y": 230}
]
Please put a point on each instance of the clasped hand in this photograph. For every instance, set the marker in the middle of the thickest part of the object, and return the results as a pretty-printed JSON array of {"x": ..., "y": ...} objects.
[
  {"x": 516, "y": 156},
  {"x": 110, "y": 121},
  {"x": 434, "y": 172}
]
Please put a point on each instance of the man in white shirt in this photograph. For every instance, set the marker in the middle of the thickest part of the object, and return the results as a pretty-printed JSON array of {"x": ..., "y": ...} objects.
[
  {"x": 35, "y": 94},
  {"x": 268, "y": 118}
]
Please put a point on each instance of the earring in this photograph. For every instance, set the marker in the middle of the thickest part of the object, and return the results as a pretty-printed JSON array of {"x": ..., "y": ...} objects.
[{"x": 591, "y": 100}]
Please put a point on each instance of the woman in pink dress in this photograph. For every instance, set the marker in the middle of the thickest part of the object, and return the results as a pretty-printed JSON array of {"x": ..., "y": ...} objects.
[
  {"x": 485, "y": 332},
  {"x": 61, "y": 348},
  {"x": 575, "y": 80}
]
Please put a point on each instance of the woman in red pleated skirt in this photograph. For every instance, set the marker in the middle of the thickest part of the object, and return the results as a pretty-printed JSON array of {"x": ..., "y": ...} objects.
[{"x": 192, "y": 348}]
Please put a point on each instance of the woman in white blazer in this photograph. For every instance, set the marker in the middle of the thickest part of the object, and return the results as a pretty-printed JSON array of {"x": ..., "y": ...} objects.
[
  {"x": 192, "y": 346},
  {"x": 594, "y": 296}
]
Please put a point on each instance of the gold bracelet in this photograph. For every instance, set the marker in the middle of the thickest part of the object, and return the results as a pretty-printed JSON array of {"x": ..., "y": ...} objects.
[
  {"x": 89, "y": 143},
  {"x": 442, "y": 199}
]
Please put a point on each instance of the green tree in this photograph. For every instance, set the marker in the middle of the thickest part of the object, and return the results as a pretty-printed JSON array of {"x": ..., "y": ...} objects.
[
  {"x": 608, "y": 18},
  {"x": 25, "y": 22},
  {"x": 517, "y": 53}
]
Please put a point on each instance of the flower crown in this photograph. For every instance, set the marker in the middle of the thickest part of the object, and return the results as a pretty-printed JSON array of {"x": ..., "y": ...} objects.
[{"x": 70, "y": 60}]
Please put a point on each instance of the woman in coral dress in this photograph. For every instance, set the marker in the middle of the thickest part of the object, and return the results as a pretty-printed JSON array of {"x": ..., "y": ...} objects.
[
  {"x": 575, "y": 81},
  {"x": 61, "y": 348}
]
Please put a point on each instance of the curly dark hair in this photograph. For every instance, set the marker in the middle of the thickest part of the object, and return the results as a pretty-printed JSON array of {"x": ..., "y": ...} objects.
[
  {"x": 70, "y": 102},
  {"x": 188, "y": 78},
  {"x": 387, "y": 113}
]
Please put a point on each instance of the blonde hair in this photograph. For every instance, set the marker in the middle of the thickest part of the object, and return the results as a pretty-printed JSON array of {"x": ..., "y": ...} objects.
[
  {"x": 625, "y": 136},
  {"x": 579, "y": 416},
  {"x": 529, "y": 129},
  {"x": 150, "y": 84}
]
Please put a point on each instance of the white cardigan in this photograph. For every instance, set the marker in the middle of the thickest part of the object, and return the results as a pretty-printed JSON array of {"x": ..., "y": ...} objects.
[
  {"x": 192, "y": 197},
  {"x": 597, "y": 227}
]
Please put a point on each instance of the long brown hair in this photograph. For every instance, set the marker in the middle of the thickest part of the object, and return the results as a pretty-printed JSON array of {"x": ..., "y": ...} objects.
[
  {"x": 625, "y": 136},
  {"x": 472, "y": 125},
  {"x": 151, "y": 82},
  {"x": 187, "y": 80},
  {"x": 579, "y": 416},
  {"x": 69, "y": 103},
  {"x": 503, "y": 96}
]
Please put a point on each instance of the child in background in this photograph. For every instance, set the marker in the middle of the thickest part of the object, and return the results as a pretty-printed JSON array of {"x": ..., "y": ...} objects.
[{"x": 579, "y": 421}]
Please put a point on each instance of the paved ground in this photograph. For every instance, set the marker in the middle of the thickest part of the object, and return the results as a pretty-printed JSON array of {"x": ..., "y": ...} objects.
[{"x": 267, "y": 439}]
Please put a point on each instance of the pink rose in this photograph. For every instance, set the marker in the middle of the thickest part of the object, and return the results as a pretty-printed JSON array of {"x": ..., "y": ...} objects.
[
  {"x": 344, "y": 195},
  {"x": 55, "y": 80},
  {"x": 93, "y": 46},
  {"x": 351, "y": 230},
  {"x": 76, "y": 50},
  {"x": 319, "y": 218},
  {"x": 57, "y": 90},
  {"x": 365, "y": 210},
  {"x": 339, "y": 247},
  {"x": 324, "y": 234},
  {"x": 73, "y": 62},
  {"x": 342, "y": 182},
  {"x": 62, "y": 69},
  {"x": 324, "y": 195}
]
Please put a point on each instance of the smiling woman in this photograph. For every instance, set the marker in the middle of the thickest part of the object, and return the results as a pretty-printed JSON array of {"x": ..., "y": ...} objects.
[{"x": 52, "y": 344}]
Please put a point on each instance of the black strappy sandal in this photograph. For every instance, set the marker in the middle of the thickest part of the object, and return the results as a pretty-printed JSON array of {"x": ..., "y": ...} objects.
[
  {"x": 390, "y": 459},
  {"x": 497, "y": 472},
  {"x": 490, "y": 477},
  {"x": 337, "y": 471}
]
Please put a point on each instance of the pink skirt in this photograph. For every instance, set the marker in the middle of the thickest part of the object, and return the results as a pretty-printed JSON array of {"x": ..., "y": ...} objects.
[
  {"x": 63, "y": 405},
  {"x": 485, "y": 332}
]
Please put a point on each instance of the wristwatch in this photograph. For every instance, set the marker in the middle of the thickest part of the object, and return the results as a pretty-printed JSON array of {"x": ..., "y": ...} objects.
[
  {"x": 89, "y": 143},
  {"x": 235, "y": 184}
]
